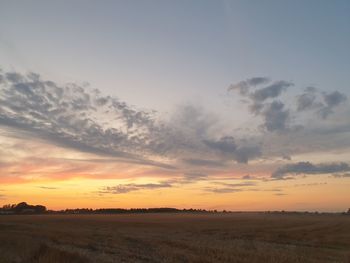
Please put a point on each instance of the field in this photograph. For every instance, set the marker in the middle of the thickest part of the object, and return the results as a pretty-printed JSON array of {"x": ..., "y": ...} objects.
[{"x": 177, "y": 237}]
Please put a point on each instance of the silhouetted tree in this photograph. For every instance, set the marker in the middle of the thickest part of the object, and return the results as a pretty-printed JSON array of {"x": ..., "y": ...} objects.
[{"x": 24, "y": 208}]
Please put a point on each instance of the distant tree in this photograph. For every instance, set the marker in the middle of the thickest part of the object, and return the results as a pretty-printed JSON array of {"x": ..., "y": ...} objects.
[
  {"x": 40, "y": 209},
  {"x": 7, "y": 207},
  {"x": 20, "y": 207},
  {"x": 23, "y": 207}
]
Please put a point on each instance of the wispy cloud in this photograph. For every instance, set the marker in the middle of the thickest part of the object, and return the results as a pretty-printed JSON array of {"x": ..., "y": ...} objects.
[
  {"x": 225, "y": 188},
  {"x": 204, "y": 162},
  {"x": 126, "y": 188},
  {"x": 341, "y": 175},
  {"x": 48, "y": 187}
]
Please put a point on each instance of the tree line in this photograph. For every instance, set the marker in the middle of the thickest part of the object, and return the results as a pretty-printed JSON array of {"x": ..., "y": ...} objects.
[{"x": 24, "y": 208}]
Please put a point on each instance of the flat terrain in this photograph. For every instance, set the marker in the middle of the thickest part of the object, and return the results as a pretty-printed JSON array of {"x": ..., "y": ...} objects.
[{"x": 178, "y": 237}]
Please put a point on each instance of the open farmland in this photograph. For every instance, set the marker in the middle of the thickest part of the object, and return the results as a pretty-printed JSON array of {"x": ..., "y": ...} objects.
[{"x": 175, "y": 237}]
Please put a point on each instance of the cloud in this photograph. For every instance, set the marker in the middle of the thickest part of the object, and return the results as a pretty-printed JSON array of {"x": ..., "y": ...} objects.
[
  {"x": 276, "y": 117},
  {"x": 322, "y": 103},
  {"x": 258, "y": 96},
  {"x": 286, "y": 157},
  {"x": 243, "y": 87},
  {"x": 235, "y": 185},
  {"x": 75, "y": 117},
  {"x": 189, "y": 139},
  {"x": 230, "y": 187},
  {"x": 271, "y": 91},
  {"x": 309, "y": 168},
  {"x": 183, "y": 132},
  {"x": 257, "y": 81},
  {"x": 307, "y": 99},
  {"x": 310, "y": 184},
  {"x": 334, "y": 98},
  {"x": 204, "y": 162},
  {"x": 331, "y": 100},
  {"x": 222, "y": 190},
  {"x": 280, "y": 194},
  {"x": 274, "y": 114},
  {"x": 314, "y": 137},
  {"x": 126, "y": 188},
  {"x": 195, "y": 175},
  {"x": 246, "y": 153},
  {"x": 13, "y": 77},
  {"x": 81, "y": 118},
  {"x": 124, "y": 160},
  {"x": 341, "y": 175},
  {"x": 48, "y": 188},
  {"x": 279, "y": 115},
  {"x": 227, "y": 147}
]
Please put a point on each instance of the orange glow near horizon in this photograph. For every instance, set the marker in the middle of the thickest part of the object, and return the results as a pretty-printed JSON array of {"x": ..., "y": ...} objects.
[
  {"x": 67, "y": 178},
  {"x": 303, "y": 195}
]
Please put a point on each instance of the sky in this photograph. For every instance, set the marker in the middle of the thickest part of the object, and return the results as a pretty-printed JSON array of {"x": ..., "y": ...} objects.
[{"x": 236, "y": 105}]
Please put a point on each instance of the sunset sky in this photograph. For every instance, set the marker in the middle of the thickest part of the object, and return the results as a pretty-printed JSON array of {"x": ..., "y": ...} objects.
[{"x": 238, "y": 105}]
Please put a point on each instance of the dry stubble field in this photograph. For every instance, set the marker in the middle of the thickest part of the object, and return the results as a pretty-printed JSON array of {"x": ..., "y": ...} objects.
[{"x": 177, "y": 237}]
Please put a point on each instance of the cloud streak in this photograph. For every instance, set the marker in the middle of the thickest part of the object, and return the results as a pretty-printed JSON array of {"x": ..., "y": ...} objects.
[
  {"x": 127, "y": 188},
  {"x": 309, "y": 168},
  {"x": 226, "y": 188}
]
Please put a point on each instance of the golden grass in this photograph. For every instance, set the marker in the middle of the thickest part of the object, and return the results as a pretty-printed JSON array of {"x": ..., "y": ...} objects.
[{"x": 244, "y": 237}]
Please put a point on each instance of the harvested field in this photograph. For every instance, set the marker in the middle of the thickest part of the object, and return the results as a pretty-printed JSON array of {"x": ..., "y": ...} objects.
[{"x": 175, "y": 237}]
